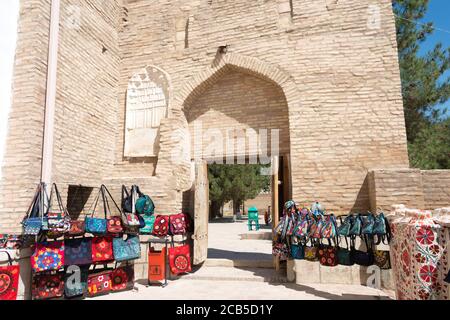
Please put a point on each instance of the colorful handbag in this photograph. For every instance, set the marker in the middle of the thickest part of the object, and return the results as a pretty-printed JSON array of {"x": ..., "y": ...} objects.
[
  {"x": 344, "y": 228},
  {"x": 161, "y": 226},
  {"x": 144, "y": 205},
  {"x": 315, "y": 230},
  {"x": 311, "y": 253},
  {"x": 360, "y": 257},
  {"x": 3, "y": 239},
  {"x": 367, "y": 224},
  {"x": 114, "y": 225},
  {"x": 280, "y": 250},
  {"x": 102, "y": 249},
  {"x": 13, "y": 242},
  {"x": 75, "y": 284},
  {"x": 128, "y": 249},
  {"x": 327, "y": 256},
  {"x": 297, "y": 252},
  {"x": 149, "y": 224},
  {"x": 328, "y": 230},
  {"x": 47, "y": 286},
  {"x": 381, "y": 229},
  {"x": 77, "y": 228},
  {"x": 48, "y": 256},
  {"x": 355, "y": 229},
  {"x": 177, "y": 224},
  {"x": 97, "y": 226},
  {"x": 9, "y": 280},
  {"x": 33, "y": 221},
  {"x": 344, "y": 255},
  {"x": 382, "y": 259},
  {"x": 301, "y": 229},
  {"x": 99, "y": 283},
  {"x": 78, "y": 252},
  {"x": 180, "y": 259},
  {"x": 58, "y": 221},
  {"x": 129, "y": 216},
  {"x": 122, "y": 278}
]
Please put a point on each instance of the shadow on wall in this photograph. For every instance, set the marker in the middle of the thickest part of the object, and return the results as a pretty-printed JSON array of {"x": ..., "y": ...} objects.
[{"x": 362, "y": 201}]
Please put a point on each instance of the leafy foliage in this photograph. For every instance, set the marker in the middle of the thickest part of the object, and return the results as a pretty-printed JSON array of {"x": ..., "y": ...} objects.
[
  {"x": 235, "y": 182},
  {"x": 424, "y": 86}
]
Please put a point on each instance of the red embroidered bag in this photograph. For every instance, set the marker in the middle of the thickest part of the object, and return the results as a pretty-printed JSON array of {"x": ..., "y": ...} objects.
[
  {"x": 9, "y": 280},
  {"x": 328, "y": 256},
  {"x": 77, "y": 228},
  {"x": 47, "y": 286},
  {"x": 180, "y": 259},
  {"x": 161, "y": 226},
  {"x": 122, "y": 278},
  {"x": 114, "y": 225},
  {"x": 48, "y": 256},
  {"x": 99, "y": 283},
  {"x": 178, "y": 224},
  {"x": 102, "y": 249}
]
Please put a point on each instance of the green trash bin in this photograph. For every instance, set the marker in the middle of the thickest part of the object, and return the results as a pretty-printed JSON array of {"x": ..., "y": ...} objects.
[{"x": 253, "y": 218}]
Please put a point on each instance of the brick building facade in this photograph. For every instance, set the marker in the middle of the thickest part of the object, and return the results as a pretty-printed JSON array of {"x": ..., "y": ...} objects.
[{"x": 324, "y": 72}]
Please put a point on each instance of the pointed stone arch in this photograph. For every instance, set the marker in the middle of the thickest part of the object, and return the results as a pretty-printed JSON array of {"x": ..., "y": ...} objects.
[{"x": 197, "y": 84}]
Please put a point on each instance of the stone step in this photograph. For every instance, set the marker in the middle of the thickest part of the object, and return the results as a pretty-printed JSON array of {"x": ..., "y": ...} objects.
[
  {"x": 257, "y": 235},
  {"x": 230, "y": 263},
  {"x": 237, "y": 274}
]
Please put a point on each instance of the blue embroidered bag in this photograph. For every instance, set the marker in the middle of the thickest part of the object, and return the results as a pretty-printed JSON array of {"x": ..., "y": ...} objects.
[
  {"x": 344, "y": 228},
  {"x": 367, "y": 224},
  {"x": 78, "y": 252},
  {"x": 355, "y": 229},
  {"x": 297, "y": 251},
  {"x": 34, "y": 219},
  {"x": 149, "y": 223},
  {"x": 97, "y": 226},
  {"x": 128, "y": 249}
]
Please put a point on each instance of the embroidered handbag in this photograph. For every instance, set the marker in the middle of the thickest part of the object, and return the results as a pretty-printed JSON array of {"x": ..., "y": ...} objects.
[
  {"x": 75, "y": 284},
  {"x": 381, "y": 229},
  {"x": 161, "y": 226},
  {"x": 96, "y": 226},
  {"x": 280, "y": 250},
  {"x": 344, "y": 228},
  {"x": 367, "y": 224},
  {"x": 14, "y": 242},
  {"x": 48, "y": 256},
  {"x": 122, "y": 278},
  {"x": 355, "y": 229},
  {"x": 311, "y": 253},
  {"x": 114, "y": 225},
  {"x": 47, "y": 286},
  {"x": 9, "y": 280},
  {"x": 327, "y": 256},
  {"x": 360, "y": 257},
  {"x": 328, "y": 230},
  {"x": 149, "y": 223},
  {"x": 144, "y": 204},
  {"x": 99, "y": 283},
  {"x": 77, "y": 228},
  {"x": 33, "y": 221},
  {"x": 177, "y": 224},
  {"x": 78, "y": 251},
  {"x": 129, "y": 216},
  {"x": 3, "y": 239},
  {"x": 382, "y": 259},
  {"x": 316, "y": 225},
  {"x": 344, "y": 255},
  {"x": 128, "y": 249},
  {"x": 58, "y": 221},
  {"x": 180, "y": 259},
  {"x": 297, "y": 251},
  {"x": 301, "y": 229},
  {"x": 102, "y": 249}
]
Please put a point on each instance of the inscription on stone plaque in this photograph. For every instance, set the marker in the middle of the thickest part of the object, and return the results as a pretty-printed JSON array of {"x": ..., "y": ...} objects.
[{"x": 147, "y": 103}]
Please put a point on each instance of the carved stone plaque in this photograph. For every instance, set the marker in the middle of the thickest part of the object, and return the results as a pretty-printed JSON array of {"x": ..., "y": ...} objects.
[{"x": 147, "y": 103}]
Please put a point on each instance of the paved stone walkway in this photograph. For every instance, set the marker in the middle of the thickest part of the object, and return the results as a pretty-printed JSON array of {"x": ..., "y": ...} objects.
[{"x": 245, "y": 290}]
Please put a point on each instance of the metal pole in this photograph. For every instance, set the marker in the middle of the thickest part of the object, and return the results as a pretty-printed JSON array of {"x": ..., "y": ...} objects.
[{"x": 50, "y": 100}]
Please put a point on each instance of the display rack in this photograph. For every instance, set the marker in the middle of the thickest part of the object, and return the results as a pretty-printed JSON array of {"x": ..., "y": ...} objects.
[{"x": 168, "y": 239}]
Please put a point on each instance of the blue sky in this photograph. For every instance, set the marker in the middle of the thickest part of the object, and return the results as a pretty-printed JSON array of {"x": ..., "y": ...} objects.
[{"x": 439, "y": 14}]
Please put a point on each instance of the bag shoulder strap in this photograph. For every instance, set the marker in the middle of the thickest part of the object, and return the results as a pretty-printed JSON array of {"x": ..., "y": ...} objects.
[
  {"x": 10, "y": 261},
  {"x": 35, "y": 198},
  {"x": 110, "y": 196}
]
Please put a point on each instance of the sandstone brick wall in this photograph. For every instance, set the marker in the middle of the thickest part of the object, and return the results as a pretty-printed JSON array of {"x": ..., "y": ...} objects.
[
  {"x": 339, "y": 76},
  {"x": 422, "y": 189},
  {"x": 23, "y": 147}
]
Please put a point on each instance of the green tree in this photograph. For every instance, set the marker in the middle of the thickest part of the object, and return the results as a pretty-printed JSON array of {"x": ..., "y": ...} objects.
[
  {"x": 424, "y": 86},
  {"x": 234, "y": 182}
]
